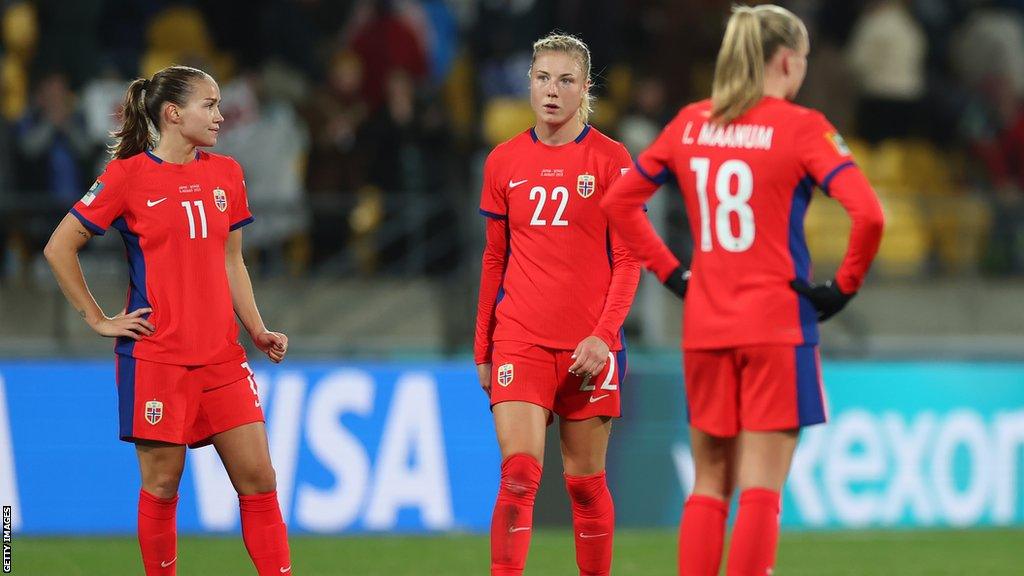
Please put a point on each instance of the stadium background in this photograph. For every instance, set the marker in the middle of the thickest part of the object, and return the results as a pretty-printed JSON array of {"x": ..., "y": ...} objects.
[{"x": 362, "y": 127}]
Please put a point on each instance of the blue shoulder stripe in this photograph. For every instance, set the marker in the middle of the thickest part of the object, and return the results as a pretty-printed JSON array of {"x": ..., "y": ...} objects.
[
  {"x": 658, "y": 179},
  {"x": 835, "y": 172},
  {"x": 494, "y": 215}
]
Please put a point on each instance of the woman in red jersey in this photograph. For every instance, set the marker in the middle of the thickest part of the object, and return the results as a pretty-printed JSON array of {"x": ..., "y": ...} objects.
[
  {"x": 555, "y": 287},
  {"x": 747, "y": 161},
  {"x": 182, "y": 376}
]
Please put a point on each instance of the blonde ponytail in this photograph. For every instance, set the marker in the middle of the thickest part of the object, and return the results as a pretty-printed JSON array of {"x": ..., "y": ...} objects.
[
  {"x": 752, "y": 37},
  {"x": 569, "y": 44}
]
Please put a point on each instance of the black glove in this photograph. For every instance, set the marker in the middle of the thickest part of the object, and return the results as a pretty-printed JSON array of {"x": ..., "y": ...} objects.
[
  {"x": 827, "y": 298},
  {"x": 677, "y": 282}
]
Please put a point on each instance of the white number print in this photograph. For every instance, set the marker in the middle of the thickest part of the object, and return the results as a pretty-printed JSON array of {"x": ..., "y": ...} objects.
[
  {"x": 252, "y": 383},
  {"x": 728, "y": 204},
  {"x": 539, "y": 194},
  {"x": 192, "y": 220},
  {"x": 587, "y": 386}
]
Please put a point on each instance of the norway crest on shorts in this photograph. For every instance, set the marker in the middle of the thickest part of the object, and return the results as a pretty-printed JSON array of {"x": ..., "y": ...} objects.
[
  {"x": 505, "y": 374},
  {"x": 585, "y": 185},
  {"x": 154, "y": 411},
  {"x": 220, "y": 199}
]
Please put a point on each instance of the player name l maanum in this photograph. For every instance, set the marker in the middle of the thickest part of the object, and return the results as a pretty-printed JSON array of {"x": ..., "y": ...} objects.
[{"x": 748, "y": 136}]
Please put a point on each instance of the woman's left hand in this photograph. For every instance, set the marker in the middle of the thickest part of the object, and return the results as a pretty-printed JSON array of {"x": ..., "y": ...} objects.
[
  {"x": 273, "y": 344},
  {"x": 591, "y": 355}
]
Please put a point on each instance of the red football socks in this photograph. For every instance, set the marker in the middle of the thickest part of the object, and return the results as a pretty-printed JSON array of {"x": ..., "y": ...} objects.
[
  {"x": 158, "y": 536},
  {"x": 752, "y": 551},
  {"x": 701, "y": 533},
  {"x": 593, "y": 522},
  {"x": 265, "y": 534},
  {"x": 512, "y": 521}
]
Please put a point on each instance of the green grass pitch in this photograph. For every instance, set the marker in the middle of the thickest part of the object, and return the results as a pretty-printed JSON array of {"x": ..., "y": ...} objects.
[{"x": 637, "y": 552}]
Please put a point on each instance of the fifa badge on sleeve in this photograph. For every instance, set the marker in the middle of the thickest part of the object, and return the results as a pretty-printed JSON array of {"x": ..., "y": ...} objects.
[
  {"x": 838, "y": 143},
  {"x": 220, "y": 199},
  {"x": 154, "y": 411},
  {"x": 505, "y": 374},
  {"x": 93, "y": 192},
  {"x": 585, "y": 185}
]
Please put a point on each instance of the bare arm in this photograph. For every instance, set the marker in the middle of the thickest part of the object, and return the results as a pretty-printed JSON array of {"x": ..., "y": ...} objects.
[
  {"x": 273, "y": 344},
  {"x": 62, "y": 253}
]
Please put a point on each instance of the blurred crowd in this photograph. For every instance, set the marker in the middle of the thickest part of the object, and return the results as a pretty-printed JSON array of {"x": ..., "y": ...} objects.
[{"x": 362, "y": 124}]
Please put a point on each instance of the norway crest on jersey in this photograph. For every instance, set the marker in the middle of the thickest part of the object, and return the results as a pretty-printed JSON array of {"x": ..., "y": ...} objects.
[
  {"x": 220, "y": 199},
  {"x": 154, "y": 411},
  {"x": 585, "y": 185},
  {"x": 505, "y": 374}
]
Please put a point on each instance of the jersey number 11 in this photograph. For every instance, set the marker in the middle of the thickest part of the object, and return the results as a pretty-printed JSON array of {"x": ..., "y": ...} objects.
[{"x": 192, "y": 220}]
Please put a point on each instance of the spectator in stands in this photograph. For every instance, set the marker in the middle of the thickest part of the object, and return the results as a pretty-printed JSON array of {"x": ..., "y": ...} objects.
[
  {"x": 994, "y": 127},
  {"x": 101, "y": 107},
  {"x": 265, "y": 134},
  {"x": 395, "y": 157},
  {"x": 990, "y": 44},
  {"x": 335, "y": 114},
  {"x": 647, "y": 115},
  {"x": 887, "y": 52},
  {"x": 55, "y": 151},
  {"x": 385, "y": 44}
]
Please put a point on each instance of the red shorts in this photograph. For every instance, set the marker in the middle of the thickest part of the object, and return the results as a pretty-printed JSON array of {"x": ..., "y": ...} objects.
[
  {"x": 538, "y": 375},
  {"x": 761, "y": 388},
  {"x": 184, "y": 404}
]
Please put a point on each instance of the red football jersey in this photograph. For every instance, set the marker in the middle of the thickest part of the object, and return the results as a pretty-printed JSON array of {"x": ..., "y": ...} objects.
[
  {"x": 746, "y": 187},
  {"x": 561, "y": 252},
  {"x": 175, "y": 220}
]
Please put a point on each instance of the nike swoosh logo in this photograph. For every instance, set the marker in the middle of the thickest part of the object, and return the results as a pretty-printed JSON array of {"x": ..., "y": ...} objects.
[
  {"x": 512, "y": 184},
  {"x": 285, "y": 570},
  {"x": 519, "y": 529},
  {"x": 152, "y": 203},
  {"x": 582, "y": 535},
  {"x": 168, "y": 563},
  {"x": 596, "y": 398}
]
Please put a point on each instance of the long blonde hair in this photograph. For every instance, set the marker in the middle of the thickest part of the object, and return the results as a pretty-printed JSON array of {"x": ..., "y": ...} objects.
[
  {"x": 751, "y": 39},
  {"x": 569, "y": 44}
]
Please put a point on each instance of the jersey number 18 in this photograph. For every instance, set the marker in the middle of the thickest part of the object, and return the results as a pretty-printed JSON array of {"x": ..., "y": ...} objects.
[{"x": 728, "y": 204}]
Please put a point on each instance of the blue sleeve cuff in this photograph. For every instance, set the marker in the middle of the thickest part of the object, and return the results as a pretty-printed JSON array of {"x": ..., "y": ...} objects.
[
  {"x": 241, "y": 223},
  {"x": 89, "y": 225},
  {"x": 494, "y": 215}
]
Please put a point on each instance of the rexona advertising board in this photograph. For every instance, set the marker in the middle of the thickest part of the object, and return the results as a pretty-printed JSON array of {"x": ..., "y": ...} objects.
[{"x": 410, "y": 447}]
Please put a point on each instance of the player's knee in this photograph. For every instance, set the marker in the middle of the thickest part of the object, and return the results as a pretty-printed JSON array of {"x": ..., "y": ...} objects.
[
  {"x": 585, "y": 490},
  {"x": 162, "y": 484},
  {"x": 715, "y": 481},
  {"x": 257, "y": 480},
  {"x": 520, "y": 476}
]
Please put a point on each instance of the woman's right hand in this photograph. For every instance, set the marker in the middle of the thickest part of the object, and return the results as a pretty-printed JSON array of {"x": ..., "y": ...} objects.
[
  {"x": 131, "y": 325},
  {"x": 483, "y": 371}
]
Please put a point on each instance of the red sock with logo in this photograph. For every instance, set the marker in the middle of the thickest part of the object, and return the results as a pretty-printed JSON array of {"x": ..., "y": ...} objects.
[
  {"x": 265, "y": 534},
  {"x": 701, "y": 533},
  {"x": 512, "y": 521},
  {"x": 158, "y": 534},
  {"x": 593, "y": 522},
  {"x": 752, "y": 551}
]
